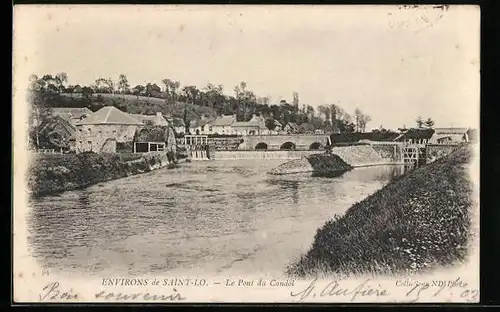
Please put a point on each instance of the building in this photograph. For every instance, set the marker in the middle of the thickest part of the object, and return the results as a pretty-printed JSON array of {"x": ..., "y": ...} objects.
[
  {"x": 255, "y": 126},
  {"x": 200, "y": 126},
  {"x": 222, "y": 125},
  {"x": 278, "y": 127},
  {"x": 71, "y": 114},
  {"x": 177, "y": 124},
  {"x": 291, "y": 128},
  {"x": 307, "y": 128},
  {"x": 450, "y": 136},
  {"x": 60, "y": 132},
  {"x": 155, "y": 120},
  {"x": 415, "y": 136},
  {"x": 100, "y": 131},
  {"x": 154, "y": 139}
]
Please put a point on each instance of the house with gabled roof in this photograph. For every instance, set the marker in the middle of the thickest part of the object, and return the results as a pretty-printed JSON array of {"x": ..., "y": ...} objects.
[
  {"x": 100, "y": 131},
  {"x": 415, "y": 136},
  {"x": 449, "y": 136},
  {"x": 291, "y": 128},
  {"x": 222, "y": 125},
  {"x": 200, "y": 126},
  {"x": 60, "y": 132},
  {"x": 71, "y": 114},
  {"x": 255, "y": 126}
]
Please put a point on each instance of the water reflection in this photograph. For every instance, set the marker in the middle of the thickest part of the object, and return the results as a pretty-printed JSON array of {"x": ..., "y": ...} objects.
[
  {"x": 214, "y": 216},
  {"x": 288, "y": 186}
]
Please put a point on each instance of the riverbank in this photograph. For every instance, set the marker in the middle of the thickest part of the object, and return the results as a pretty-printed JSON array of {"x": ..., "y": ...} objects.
[
  {"x": 417, "y": 222},
  {"x": 54, "y": 173}
]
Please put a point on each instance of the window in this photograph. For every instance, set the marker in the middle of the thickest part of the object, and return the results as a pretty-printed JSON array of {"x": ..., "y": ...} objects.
[
  {"x": 161, "y": 147},
  {"x": 210, "y": 128},
  {"x": 90, "y": 130}
]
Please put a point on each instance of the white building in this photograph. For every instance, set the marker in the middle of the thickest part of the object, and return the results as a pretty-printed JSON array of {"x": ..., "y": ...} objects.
[
  {"x": 222, "y": 125},
  {"x": 255, "y": 126}
]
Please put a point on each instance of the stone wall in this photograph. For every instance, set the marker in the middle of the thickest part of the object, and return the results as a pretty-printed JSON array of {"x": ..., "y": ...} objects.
[
  {"x": 274, "y": 142},
  {"x": 99, "y": 134}
]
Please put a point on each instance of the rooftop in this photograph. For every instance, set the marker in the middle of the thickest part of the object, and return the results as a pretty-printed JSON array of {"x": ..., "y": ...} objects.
[
  {"x": 226, "y": 120},
  {"x": 71, "y": 112},
  {"x": 109, "y": 115},
  {"x": 157, "y": 119}
]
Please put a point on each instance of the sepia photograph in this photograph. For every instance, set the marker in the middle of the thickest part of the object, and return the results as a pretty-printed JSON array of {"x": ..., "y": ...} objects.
[{"x": 246, "y": 153}]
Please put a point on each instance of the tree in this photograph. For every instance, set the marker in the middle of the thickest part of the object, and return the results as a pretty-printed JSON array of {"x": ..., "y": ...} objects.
[
  {"x": 333, "y": 115},
  {"x": 111, "y": 85},
  {"x": 420, "y": 122},
  {"x": 39, "y": 116},
  {"x": 214, "y": 95},
  {"x": 123, "y": 85},
  {"x": 325, "y": 110},
  {"x": 270, "y": 124},
  {"x": 191, "y": 93},
  {"x": 61, "y": 79},
  {"x": 358, "y": 115},
  {"x": 295, "y": 100},
  {"x": 101, "y": 85},
  {"x": 34, "y": 84},
  {"x": 429, "y": 123},
  {"x": 364, "y": 121},
  {"x": 152, "y": 89},
  {"x": 87, "y": 93},
  {"x": 310, "y": 112},
  {"x": 49, "y": 84},
  {"x": 171, "y": 88},
  {"x": 138, "y": 90}
]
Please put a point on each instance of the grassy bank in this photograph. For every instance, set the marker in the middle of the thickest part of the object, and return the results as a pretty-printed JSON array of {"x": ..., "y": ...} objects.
[
  {"x": 417, "y": 222},
  {"x": 52, "y": 173}
]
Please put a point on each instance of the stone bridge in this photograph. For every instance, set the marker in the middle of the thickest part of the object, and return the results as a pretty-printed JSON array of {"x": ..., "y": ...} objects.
[{"x": 284, "y": 142}]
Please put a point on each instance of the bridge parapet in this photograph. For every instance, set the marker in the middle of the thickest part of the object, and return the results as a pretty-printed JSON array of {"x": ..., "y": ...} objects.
[{"x": 277, "y": 142}]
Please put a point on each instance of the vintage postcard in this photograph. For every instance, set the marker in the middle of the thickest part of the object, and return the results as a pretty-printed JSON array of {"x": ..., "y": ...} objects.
[{"x": 250, "y": 153}]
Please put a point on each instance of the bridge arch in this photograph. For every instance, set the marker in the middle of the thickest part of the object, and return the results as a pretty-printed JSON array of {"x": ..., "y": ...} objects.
[
  {"x": 261, "y": 146},
  {"x": 315, "y": 146},
  {"x": 288, "y": 146}
]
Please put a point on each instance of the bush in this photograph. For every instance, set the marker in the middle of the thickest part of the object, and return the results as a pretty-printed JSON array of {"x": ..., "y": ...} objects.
[
  {"x": 417, "y": 222},
  {"x": 54, "y": 173}
]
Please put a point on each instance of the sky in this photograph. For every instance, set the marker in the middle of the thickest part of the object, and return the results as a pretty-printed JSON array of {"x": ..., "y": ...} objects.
[{"x": 393, "y": 63}]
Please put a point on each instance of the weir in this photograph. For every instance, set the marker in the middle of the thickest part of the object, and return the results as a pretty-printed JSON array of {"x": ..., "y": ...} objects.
[{"x": 261, "y": 154}]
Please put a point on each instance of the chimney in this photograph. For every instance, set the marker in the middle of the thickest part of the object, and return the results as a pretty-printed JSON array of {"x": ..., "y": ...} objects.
[
  {"x": 159, "y": 114},
  {"x": 202, "y": 117},
  {"x": 254, "y": 116}
]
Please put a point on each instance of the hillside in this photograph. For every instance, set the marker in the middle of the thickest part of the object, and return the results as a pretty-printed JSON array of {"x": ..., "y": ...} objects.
[
  {"x": 140, "y": 104},
  {"x": 417, "y": 222}
]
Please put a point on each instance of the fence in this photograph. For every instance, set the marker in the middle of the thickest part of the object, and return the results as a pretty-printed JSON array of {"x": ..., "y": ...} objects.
[{"x": 46, "y": 151}]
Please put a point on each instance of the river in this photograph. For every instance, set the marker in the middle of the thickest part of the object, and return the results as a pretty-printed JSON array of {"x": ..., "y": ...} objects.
[{"x": 211, "y": 217}]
